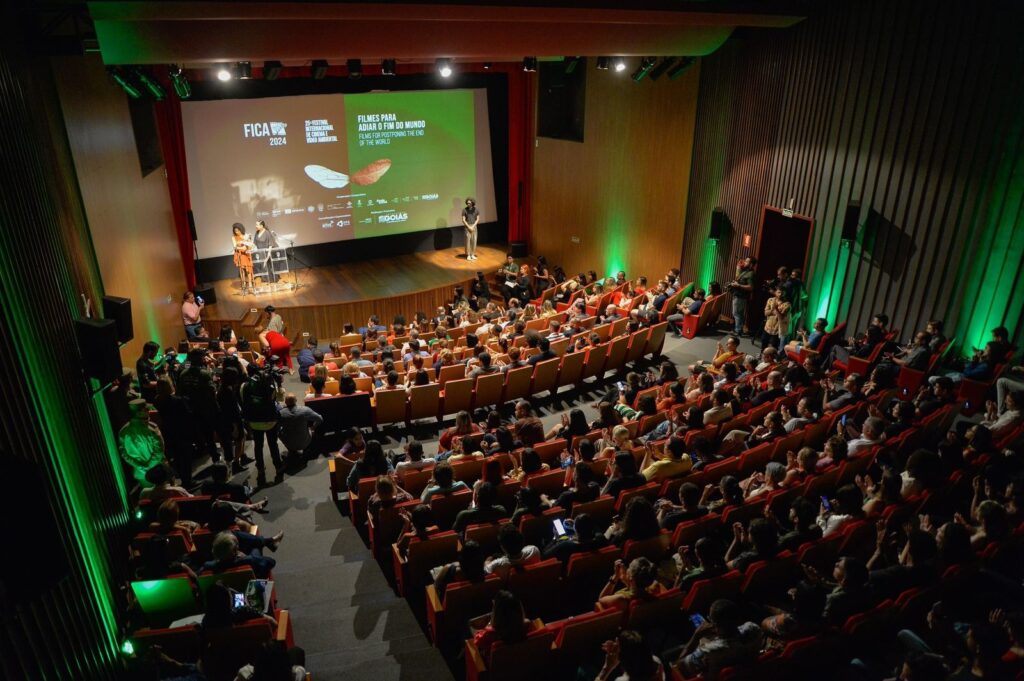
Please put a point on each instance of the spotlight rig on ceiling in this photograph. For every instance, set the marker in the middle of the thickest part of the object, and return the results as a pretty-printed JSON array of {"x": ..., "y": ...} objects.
[
  {"x": 271, "y": 70},
  {"x": 355, "y": 68},
  {"x": 529, "y": 64},
  {"x": 444, "y": 67},
  {"x": 646, "y": 64},
  {"x": 179, "y": 81},
  {"x": 318, "y": 69},
  {"x": 387, "y": 67}
]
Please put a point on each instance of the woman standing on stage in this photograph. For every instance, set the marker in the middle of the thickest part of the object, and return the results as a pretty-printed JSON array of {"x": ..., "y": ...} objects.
[{"x": 243, "y": 256}]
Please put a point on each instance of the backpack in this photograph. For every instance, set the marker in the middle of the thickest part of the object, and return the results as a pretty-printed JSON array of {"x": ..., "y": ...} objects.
[{"x": 258, "y": 398}]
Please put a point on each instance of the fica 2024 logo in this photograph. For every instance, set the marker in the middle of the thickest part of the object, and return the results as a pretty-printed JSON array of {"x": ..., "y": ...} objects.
[{"x": 275, "y": 132}]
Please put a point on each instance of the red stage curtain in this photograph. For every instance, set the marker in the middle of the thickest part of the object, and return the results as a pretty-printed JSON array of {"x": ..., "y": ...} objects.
[
  {"x": 172, "y": 143},
  {"x": 521, "y": 96}
]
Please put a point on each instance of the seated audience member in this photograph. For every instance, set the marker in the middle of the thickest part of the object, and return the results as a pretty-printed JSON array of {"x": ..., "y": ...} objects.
[
  {"x": 871, "y": 434},
  {"x": 672, "y": 462},
  {"x": 704, "y": 560},
  {"x": 530, "y": 464},
  {"x": 585, "y": 537},
  {"x": 922, "y": 471},
  {"x": 220, "y": 485},
  {"x": 220, "y": 611},
  {"x": 386, "y": 494},
  {"x": 939, "y": 392},
  {"x": 835, "y": 398},
  {"x": 371, "y": 463},
  {"x": 527, "y": 428},
  {"x": 418, "y": 525},
  {"x": 468, "y": 568},
  {"x": 720, "y": 410},
  {"x": 275, "y": 660},
  {"x": 802, "y": 416},
  {"x": 572, "y": 425},
  {"x": 353, "y": 445},
  {"x": 637, "y": 582},
  {"x": 463, "y": 426},
  {"x": 507, "y": 623},
  {"x": 1001, "y": 423},
  {"x": 639, "y": 521},
  {"x": 844, "y": 509},
  {"x": 629, "y": 653},
  {"x": 529, "y": 502},
  {"x": 307, "y": 359},
  {"x": 917, "y": 357},
  {"x": 774, "y": 390},
  {"x": 981, "y": 367},
  {"x": 296, "y": 425},
  {"x": 676, "y": 396},
  {"x": 607, "y": 416},
  {"x": 771, "y": 480},
  {"x": 801, "y": 617},
  {"x": 161, "y": 479},
  {"x": 848, "y": 593},
  {"x": 545, "y": 352},
  {"x": 168, "y": 521},
  {"x": 624, "y": 475},
  {"x": 515, "y": 552},
  {"x": 800, "y": 467},
  {"x": 227, "y": 556},
  {"x": 730, "y": 374},
  {"x": 758, "y": 542},
  {"x": 618, "y": 442},
  {"x": 442, "y": 482},
  {"x": 585, "y": 486},
  {"x": 810, "y": 341},
  {"x": 689, "y": 507},
  {"x": 916, "y": 564},
  {"x": 729, "y": 494},
  {"x": 803, "y": 525},
  {"x": 860, "y": 346},
  {"x": 484, "y": 508},
  {"x": 413, "y": 460},
  {"x": 724, "y": 640},
  {"x": 317, "y": 383}
]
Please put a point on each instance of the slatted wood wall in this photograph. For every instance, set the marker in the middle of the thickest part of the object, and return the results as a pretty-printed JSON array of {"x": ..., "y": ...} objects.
[
  {"x": 66, "y": 630},
  {"x": 908, "y": 107}
]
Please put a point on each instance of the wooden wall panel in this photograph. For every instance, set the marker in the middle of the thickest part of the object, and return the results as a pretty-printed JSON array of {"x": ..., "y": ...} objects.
[
  {"x": 623, "y": 190},
  {"x": 129, "y": 215},
  {"x": 911, "y": 108}
]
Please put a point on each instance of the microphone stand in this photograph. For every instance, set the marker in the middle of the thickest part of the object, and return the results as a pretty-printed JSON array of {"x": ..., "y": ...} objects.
[{"x": 304, "y": 265}]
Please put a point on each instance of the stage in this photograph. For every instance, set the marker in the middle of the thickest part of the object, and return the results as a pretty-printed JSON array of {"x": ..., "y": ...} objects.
[{"x": 331, "y": 295}]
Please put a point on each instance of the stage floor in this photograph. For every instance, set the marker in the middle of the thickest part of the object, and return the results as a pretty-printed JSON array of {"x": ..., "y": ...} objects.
[{"x": 365, "y": 280}]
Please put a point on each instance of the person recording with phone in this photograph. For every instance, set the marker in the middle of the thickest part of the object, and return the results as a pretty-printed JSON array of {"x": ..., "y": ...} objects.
[{"x": 191, "y": 316}]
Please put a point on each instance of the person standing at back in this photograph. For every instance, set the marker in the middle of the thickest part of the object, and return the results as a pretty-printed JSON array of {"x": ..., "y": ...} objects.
[
  {"x": 741, "y": 288},
  {"x": 470, "y": 219},
  {"x": 259, "y": 410}
]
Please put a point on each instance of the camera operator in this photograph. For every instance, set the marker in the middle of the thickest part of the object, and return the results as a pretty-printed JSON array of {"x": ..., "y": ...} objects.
[
  {"x": 195, "y": 384},
  {"x": 259, "y": 396},
  {"x": 741, "y": 289}
]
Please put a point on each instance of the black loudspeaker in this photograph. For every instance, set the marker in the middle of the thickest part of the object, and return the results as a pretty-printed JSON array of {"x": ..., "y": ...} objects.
[
  {"x": 23, "y": 581},
  {"x": 518, "y": 249},
  {"x": 851, "y": 220},
  {"x": 207, "y": 293},
  {"x": 120, "y": 310},
  {"x": 97, "y": 341},
  {"x": 719, "y": 225},
  {"x": 192, "y": 226}
]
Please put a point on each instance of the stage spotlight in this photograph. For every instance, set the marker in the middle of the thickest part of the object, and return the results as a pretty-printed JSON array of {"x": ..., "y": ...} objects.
[
  {"x": 663, "y": 66},
  {"x": 271, "y": 70},
  {"x": 244, "y": 70},
  {"x": 646, "y": 64},
  {"x": 155, "y": 88},
  {"x": 444, "y": 67},
  {"x": 182, "y": 88},
  {"x": 223, "y": 73},
  {"x": 318, "y": 69},
  {"x": 570, "y": 64},
  {"x": 680, "y": 68},
  {"x": 355, "y": 68},
  {"x": 487, "y": 66},
  {"x": 529, "y": 64},
  {"x": 387, "y": 67},
  {"x": 620, "y": 64},
  {"x": 602, "y": 63},
  {"x": 121, "y": 79}
]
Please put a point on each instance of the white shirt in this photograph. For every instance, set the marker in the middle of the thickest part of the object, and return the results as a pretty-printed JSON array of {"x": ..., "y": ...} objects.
[{"x": 413, "y": 465}]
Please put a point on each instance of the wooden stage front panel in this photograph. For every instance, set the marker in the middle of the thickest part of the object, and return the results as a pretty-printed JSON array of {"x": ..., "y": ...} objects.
[{"x": 332, "y": 295}]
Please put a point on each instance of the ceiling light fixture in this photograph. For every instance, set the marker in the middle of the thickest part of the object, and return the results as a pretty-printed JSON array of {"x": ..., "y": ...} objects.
[
  {"x": 156, "y": 90},
  {"x": 663, "y": 66},
  {"x": 121, "y": 79},
  {"x": 244, "y": 70},
  {"x": 319, "y": 69},
  {"x": 620, "y": 64},
  {"x": 444, "y": 67},
  {"x": 223, "y": 73},
  {"x": 487, "y": 66},
  {"x": 271, "y": 70},
  {"x": 602, "y": 63},
  {"x": 529, "y": 64},
  {"x": 355, "y": 68},
  {"x": 179, "y": 82},
  {"x": 646, "y": 64},
  {"x": 571, "y": 63},
  {"x": 387, "y": 67},
  {"x": 681, "y": 68}
]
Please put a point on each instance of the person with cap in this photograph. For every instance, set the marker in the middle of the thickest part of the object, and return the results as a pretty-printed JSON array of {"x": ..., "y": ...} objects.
[{"x": 139, "y": 441}]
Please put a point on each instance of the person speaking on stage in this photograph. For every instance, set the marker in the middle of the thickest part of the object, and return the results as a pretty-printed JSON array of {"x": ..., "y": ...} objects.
[
  {"x": 243, "y": 247},
  {"x": 470, "y": 219},
  {"x": 264, "y": 239}
]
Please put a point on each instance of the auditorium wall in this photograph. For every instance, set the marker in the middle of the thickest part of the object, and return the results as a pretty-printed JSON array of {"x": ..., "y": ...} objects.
[
  {"x": 129, "y": 215},
  {"x": 622, "y": 191},
  {"x": 914, "y": 109}
]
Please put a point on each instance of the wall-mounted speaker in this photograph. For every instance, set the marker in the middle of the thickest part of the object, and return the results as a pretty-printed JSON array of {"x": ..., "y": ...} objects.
[
  {"x": 518, "y": 249},
  {"x": 719, "y": 225},
  {"x": 119, "y": 310},
  {"x": 851, "y": 220},
  {"x": 207, "y": 293},
  {"x": 192, "y": 225},
  {"x": 97, "y": 341}
]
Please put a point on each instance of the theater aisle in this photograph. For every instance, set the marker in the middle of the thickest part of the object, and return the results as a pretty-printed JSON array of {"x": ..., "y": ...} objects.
[{"x": 345, "y": 614}]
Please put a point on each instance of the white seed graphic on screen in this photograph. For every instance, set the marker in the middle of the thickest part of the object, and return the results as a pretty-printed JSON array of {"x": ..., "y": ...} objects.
[{"x": 326, "y": 178}]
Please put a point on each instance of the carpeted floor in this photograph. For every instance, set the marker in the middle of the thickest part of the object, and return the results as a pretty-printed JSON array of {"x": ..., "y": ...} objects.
[{"x": 345, "y": 613}]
